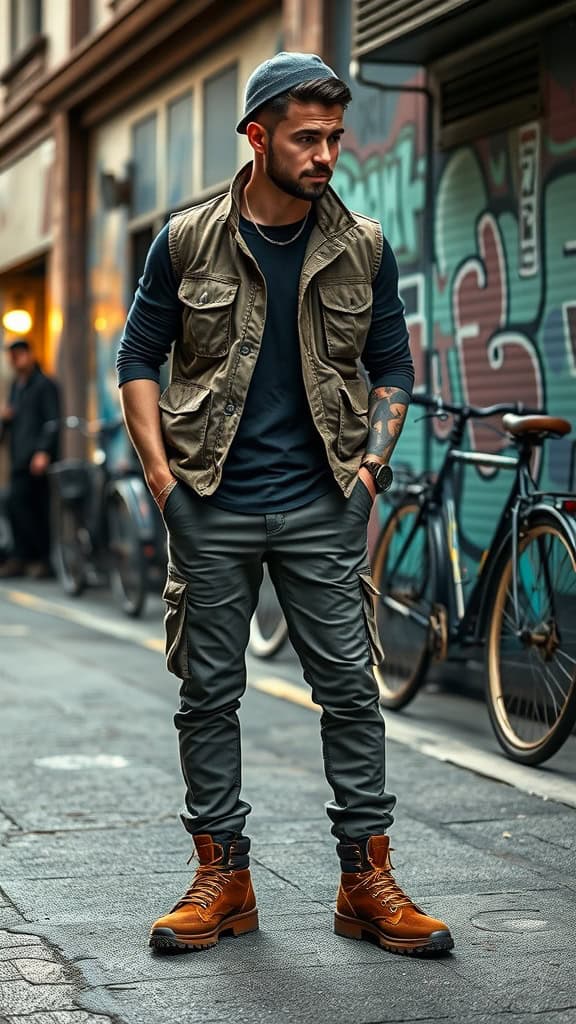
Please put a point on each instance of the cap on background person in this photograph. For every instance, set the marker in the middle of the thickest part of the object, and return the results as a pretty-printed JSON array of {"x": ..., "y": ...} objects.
[
  {"x": 17, "y": 344},
  {"x": 277, "y": 75}
]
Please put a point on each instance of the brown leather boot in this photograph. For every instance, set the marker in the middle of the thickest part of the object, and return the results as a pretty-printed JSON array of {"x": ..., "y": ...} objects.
[
  {"x": 220, "y": 900},
  {"x": 370, "y": 903}
]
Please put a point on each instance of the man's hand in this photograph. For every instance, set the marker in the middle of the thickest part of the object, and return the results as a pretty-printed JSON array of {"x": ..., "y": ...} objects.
[
  {"x": 6, "y": 414},
  {"x": 161, "y": 490},
  {"x": 39, "y": 463},
  {"x": 368, "y": 481},
  {"x": 139, "y": 400}
]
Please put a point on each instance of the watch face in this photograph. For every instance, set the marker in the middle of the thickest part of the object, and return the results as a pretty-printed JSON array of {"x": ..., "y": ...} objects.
[{"x": 384, "y": 478}]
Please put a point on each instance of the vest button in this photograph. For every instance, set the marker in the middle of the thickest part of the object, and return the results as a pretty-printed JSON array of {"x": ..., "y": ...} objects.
[
  {"x": 245, "y": 350},
  {"x": 229, "y": 408}
]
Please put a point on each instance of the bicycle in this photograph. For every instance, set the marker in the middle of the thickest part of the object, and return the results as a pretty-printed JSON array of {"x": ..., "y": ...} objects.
[
  {"x": 522, "y": 606},
  {"x": 268, "y": 628},
  {"x": 106, "y": 527}
]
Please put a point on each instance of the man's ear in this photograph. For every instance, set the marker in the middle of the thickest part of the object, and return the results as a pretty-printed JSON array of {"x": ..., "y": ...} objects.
[{"x": 257, "y": 137}]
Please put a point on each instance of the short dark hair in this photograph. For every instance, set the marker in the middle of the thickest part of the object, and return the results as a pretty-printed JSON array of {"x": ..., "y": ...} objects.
[
  {"x": 327, "y": 91},
  {"x": 19, "y": 345}
]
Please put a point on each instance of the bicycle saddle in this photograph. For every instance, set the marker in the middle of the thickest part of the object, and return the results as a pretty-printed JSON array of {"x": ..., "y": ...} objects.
[{"x": 519, "y": 426}]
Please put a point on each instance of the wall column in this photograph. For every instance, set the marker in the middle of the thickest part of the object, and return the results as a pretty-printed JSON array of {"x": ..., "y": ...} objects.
[
  {"x": 69, "y": 332},
  {"x": 304, "y": 25}
]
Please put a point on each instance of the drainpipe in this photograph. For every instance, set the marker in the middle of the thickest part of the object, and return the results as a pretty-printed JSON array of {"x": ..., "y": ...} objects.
[{"x": 357, "y": 74}]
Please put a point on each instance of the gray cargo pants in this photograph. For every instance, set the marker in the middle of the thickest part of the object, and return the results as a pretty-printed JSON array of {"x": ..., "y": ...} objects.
[{"x": 318, "y": 562}]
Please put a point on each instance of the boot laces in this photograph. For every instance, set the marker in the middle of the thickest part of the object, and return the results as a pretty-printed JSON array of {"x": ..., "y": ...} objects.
[
  {"x": 207, "y": 885},
  {"x": 386, "y": 889}
]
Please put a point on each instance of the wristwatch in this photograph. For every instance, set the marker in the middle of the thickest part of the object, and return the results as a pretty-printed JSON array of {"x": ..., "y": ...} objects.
[{"x": 382, "y": 475}]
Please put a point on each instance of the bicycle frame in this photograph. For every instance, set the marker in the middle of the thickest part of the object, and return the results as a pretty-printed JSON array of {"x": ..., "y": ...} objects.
[
  {"x": 465, "y": 621},
  {"x": 465, "y": 614}
]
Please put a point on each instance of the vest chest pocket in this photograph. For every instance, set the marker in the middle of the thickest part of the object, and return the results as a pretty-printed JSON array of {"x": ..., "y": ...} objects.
[
  {"x": 207, "y": 316},
  {"x": 346, "y": 314}
]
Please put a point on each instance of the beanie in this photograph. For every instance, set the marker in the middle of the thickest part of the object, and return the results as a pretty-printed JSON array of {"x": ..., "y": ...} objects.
[{"x": 277, "y": 75}]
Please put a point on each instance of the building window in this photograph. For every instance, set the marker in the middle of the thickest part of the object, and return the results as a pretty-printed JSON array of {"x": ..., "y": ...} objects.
[
  {"x": 220, "y": 115},
  {"x": 144, "y": 196},
  {"x": 179, "y": 150},
  {"x": 25, "y": 23}
]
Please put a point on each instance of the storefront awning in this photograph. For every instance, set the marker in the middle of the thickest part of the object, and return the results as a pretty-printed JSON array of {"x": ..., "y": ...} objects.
[{"x": 423, "y": 31}]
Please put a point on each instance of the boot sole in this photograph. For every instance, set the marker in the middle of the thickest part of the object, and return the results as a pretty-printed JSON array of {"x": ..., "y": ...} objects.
[
  {"x": 165, "y": 940},
  {"x": 436, "y": 944}
]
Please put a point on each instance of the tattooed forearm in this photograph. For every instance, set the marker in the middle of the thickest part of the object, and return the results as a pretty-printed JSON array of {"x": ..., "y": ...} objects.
[{"x": 386, "y": 412}]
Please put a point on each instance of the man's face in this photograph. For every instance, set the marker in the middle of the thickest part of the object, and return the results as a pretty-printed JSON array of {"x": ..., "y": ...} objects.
[
  {"x": 21, "y": 359},
  {"x": 303, "y": 149}
]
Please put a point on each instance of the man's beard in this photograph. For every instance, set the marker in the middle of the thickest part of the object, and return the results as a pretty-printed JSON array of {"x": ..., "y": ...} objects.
[{"x": 300, "y": 188}]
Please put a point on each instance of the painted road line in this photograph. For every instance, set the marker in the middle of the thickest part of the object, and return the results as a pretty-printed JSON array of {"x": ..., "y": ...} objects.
[
  {"x": 439, "y": 745},
  {"x": 99, "y": 623},
  {"x": 14, "y": 631},
  {"x": 283, "y": 690},
  {"x": 154, "y": 643}
]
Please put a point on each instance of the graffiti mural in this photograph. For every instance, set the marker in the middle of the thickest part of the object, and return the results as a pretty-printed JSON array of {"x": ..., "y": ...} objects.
[
  {"x": 390, "y": 187},
  {"x": 502, "y": 297}
]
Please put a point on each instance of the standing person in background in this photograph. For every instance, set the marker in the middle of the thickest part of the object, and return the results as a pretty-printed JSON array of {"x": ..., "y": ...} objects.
[
  {"x": 31, "y": 423},
  {"x": 267, "y": 445}
]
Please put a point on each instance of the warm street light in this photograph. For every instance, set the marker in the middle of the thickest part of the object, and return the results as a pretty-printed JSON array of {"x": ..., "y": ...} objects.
[{"x": 17, "y": 321}]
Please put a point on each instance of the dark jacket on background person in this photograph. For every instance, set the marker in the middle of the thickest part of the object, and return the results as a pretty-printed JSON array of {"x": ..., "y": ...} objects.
[{"x": 34, "y": 426}]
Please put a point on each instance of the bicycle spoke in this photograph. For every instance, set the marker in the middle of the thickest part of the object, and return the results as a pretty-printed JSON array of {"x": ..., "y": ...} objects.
[
  {"x": 564, "y": 655},
  {"x": 566, "y": 673}
]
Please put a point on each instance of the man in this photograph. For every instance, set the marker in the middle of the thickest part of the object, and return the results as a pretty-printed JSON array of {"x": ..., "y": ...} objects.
[
  {"x": 30, "y": 421},
  {"x": 267, "y": 447}
]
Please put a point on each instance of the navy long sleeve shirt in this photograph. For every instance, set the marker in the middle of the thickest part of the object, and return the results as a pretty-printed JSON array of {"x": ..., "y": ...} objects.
[{"x": 277, "y": 460}]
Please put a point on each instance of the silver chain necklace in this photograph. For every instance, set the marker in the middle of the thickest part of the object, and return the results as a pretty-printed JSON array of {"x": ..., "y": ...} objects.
[{"x": 274, "y": 241}]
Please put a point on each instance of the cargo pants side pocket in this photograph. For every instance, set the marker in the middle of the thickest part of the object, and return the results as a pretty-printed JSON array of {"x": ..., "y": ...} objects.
[
  {"x": 370, "y": 599},
  {"x": 175, "y": 596}
]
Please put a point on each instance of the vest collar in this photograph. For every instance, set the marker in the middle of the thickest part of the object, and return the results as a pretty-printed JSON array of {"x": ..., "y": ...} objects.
[{"x": 332, "y": 217}]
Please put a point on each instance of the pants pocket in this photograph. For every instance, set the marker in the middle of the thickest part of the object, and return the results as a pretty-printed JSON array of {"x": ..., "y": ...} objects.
[
  {"x": 175, "y": 593},
  {"x": 370, "y": 599}
]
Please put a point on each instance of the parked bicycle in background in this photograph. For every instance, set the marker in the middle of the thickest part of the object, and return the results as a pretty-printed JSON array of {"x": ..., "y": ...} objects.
[
  {"x": 522, "y": 606},
  {"x": 268, "y": 628},
  {"x": 107, "y": 529}
]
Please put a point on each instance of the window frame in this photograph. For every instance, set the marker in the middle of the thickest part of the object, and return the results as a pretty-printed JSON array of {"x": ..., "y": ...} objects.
[
  {"x": 194, "y": 86},
  {"x": 32, "y": 32}
]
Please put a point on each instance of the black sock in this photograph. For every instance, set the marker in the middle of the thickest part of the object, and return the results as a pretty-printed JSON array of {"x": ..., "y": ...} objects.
[{"x": 352, "y": 854}]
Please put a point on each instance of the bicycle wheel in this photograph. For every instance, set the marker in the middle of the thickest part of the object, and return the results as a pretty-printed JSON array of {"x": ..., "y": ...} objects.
[
  {"x": 67, "y": 551},
  {"x": 128, "y": 565},
  {"x": 268, "y": 629},
  {"x": 531, "y": 659},
  {"x": 403, "y": 572}
]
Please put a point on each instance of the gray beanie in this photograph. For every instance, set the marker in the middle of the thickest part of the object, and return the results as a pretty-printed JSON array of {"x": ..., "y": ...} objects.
[{"x": 278, "y": 75}]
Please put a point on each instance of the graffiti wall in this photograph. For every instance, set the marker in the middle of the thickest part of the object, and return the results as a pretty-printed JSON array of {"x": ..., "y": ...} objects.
[{"x": 492, "y": 314}]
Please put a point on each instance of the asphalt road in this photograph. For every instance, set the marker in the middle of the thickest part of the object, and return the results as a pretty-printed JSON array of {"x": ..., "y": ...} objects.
[{"x": 91, "y": 850}]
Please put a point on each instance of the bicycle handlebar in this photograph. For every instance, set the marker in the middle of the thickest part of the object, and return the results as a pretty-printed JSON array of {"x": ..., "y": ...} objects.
[{"x": 437, "y": 403}]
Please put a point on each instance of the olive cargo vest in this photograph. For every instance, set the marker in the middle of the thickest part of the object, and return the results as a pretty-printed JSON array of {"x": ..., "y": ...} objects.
[{"x": 223, "y": 294}]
